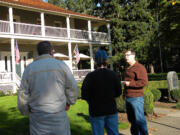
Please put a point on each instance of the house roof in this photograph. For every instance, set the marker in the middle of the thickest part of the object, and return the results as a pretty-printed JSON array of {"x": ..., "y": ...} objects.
[{"x": 47, "y": 6}]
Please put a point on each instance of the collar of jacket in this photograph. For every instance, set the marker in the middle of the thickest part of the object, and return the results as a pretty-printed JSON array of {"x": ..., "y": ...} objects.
[{"x": 43, "y": 56}]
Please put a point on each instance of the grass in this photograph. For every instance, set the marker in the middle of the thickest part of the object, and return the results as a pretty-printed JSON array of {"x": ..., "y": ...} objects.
[{"x": 13, "y": 123}]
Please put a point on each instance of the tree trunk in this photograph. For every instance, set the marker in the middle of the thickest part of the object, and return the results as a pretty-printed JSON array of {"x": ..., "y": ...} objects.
[{"x": 151, "y": 68}]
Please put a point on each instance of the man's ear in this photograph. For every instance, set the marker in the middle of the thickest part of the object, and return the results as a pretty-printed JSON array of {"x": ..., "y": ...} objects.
[{"x": 51, "y": 53}]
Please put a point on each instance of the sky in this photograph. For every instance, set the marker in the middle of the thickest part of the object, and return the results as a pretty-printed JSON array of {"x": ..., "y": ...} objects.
[{"x": 45, "y": 0}]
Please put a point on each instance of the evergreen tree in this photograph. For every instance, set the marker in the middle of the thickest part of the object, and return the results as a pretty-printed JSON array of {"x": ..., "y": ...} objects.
[{"x": 59, "y": 3}]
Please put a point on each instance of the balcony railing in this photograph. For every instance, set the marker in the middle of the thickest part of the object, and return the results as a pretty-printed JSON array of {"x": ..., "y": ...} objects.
[
  {"x": 55, "y": 32},
  {"x": 79, "y": 34},
  {"x": 35, "y": 30},
  {"x": 4, "y": 27},
  {"x": 100, "y": 36},
  {"x": 27, "y": 29}
]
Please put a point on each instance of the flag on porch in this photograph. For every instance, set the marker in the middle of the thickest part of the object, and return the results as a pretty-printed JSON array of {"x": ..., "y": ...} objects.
[
  {"x": 17, "y": 58},
  {"x": 76, "y": 52}
]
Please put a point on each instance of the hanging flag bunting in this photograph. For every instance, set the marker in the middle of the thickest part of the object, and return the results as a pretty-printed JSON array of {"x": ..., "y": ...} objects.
[
  {"x": 76, "y": 52},
  {"x": 17, "y": 54}
]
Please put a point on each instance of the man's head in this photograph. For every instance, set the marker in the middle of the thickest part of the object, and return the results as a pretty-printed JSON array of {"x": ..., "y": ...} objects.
[
  {"x": 45, "y": 47},
  {"x": 130, "y": 57},
  {"x": 101, "y": 58}
]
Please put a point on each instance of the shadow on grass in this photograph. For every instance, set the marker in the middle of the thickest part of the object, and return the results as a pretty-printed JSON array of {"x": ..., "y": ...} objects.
[
  {"x": 86, "y": 117},
  {"x": 10, "y": 124},
  {"x": 78, "y": 130}
]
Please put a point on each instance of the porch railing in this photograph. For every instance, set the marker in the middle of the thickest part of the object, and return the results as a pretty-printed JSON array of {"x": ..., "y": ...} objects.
[
  {"x": 80, "y": 74},
  {"x": 100, "y": 36},
  {"x": 4, "y": 26},
  {"x": 27, "y": 29},
  {"x": 5, "y": 77},
  {"x": 33, "y": 29},
  {"x": 79, "y": 34},
  {"x": 55, "y": 32}
]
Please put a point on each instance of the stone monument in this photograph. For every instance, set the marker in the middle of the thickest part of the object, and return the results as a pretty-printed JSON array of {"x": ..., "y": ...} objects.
[
  {"x": 173, "y": 83},
  {"x": 172, "y": 80}
]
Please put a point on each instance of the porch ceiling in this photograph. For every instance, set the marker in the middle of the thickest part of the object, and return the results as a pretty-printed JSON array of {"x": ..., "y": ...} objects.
[{"x": 27, "y": 42}]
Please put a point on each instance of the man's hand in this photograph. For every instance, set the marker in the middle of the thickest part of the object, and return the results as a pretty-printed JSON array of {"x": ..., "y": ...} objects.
[
  {"x": 127, "y": 83},
  {"x": 67, "y": 107}
]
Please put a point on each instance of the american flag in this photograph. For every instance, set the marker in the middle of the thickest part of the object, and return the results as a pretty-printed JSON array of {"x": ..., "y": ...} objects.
[
  {"x": 76, "y": 52},
  {"x": 18, "y": 58}
]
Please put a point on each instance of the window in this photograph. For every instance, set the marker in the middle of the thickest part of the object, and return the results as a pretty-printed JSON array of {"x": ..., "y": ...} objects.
[
  {"x": 39, "y": 21},
  {"x": 57, "y": 24}
]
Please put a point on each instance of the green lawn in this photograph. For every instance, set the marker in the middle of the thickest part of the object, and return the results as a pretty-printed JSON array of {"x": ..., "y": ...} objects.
[{"x": 13, "y": 123}]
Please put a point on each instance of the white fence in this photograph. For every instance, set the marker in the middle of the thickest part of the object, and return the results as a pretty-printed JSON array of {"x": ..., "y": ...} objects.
[
  {"x": 80, "y": 74},
  {"x": 5, "y": 77},
  {"x": 55, "y": 32},
  {"x": 27, "y": 29},
  {"x": 100, "y": 36},
  {"x": 36, "y": 30},
  {"x": 79, "y": 34},
  {"x": 4, "y": 26}
]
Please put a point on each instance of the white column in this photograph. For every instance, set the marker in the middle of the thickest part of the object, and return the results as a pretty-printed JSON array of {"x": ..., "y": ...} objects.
[
  {"x": 90, "y": 45},
  {"x": 70, "y": 54},
  {"x": 42, "y": 24},
  {"x": 89, "y": 30},
  {"x": 68, "y": 26},
  {"x": 69, "y": 42},
  {"x": 11, "y": 20},
  {"x": 91, "y": 55},
  {"x": 110, "y": 46},
  {"x": 22, "y": 64},
  {"x": 13, "y": 64}
]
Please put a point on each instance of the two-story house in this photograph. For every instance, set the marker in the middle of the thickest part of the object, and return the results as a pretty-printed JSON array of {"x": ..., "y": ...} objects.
[{"x": 27, "y": 22}]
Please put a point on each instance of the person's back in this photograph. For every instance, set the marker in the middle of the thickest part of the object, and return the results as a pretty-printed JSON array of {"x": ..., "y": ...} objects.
[
  {"x": 47, "y": 77},
  {"x": 47, "y": 89},
  {"x": 99, "y": 89},
  {"x": 103, "y": 87}
]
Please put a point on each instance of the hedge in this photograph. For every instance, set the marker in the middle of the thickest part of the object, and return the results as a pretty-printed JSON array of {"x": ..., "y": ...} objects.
[{"x": 159, "y": 76}]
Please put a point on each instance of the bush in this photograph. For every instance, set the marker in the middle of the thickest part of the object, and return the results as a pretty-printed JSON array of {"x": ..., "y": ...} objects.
[
  {"x": 178, "y": 105},
  {"x": 175, "y": 94},
  {"x": 156, "y": 93},
  {"x": 148, "y": 101},
  {"x": 121, "y": 105},
  {"x": 159, "y": 76},
  {"x": 2, "y": 93},
  {"x": 79, "y": 89}
]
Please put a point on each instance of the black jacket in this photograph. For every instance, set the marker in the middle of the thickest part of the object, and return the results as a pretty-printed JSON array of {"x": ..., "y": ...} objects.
[{"x": 99, "y": 89}]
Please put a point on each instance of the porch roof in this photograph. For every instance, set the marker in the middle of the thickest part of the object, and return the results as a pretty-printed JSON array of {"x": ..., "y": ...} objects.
[{"x": 47, "y": 6}]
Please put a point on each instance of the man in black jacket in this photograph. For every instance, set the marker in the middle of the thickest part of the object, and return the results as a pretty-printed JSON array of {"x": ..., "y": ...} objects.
[{"x": 99, "y": 89}]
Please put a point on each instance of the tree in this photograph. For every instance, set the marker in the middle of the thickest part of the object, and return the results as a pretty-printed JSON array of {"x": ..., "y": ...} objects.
[
  {"x": 169, "y": 34},
  {"x": 59, "y": 3}
]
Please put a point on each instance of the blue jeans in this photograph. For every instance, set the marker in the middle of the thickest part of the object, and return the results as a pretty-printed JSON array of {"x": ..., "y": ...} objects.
[
  {"x": 135, "y": 113},
  {"x": 109, "y": 122}
]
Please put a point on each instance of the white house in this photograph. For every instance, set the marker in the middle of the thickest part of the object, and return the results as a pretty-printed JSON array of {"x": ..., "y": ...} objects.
[{"x": 28, "y": 22}]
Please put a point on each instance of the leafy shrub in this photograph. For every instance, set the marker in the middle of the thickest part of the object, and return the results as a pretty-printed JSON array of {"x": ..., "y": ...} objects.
[
  {"x": 148, "y": 101},
  {"x": 175, "y": 94},
  {"x": 178, "y": 105},
  {"x": 79, "y": 89},
  {"x": 121, "y": 105},
  {"x": 156, "y": 93},
  {"x": 2, "y": 93},
  {"x": 159, "y": 76}
]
